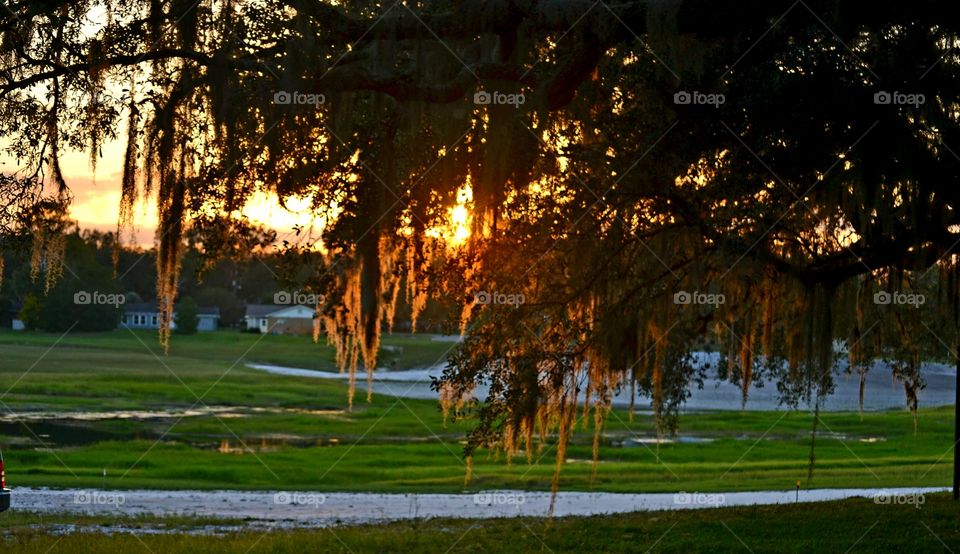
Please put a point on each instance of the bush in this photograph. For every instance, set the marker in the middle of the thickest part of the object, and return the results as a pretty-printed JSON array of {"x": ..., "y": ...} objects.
[{"x": 186, "y": 317}]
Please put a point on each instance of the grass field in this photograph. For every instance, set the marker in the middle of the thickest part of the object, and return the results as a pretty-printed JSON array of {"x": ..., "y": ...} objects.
[
  {"x": 849, "y": 526},
  {"x": 296, "y": 433}
]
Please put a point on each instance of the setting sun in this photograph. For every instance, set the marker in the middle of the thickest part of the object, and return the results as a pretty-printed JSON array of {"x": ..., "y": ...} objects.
[{"x": 456, "y": 230}]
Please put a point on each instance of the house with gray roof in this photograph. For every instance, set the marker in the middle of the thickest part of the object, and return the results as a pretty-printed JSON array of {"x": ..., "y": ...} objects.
[
  {"x": 146, "y": 315},
  {"x": 279, "y": 320}
]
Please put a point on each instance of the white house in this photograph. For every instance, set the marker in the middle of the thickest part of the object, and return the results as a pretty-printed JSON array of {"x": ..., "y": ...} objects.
[
  {"x": 144, "y": 315},
  {"x": 279, "y": 320}
]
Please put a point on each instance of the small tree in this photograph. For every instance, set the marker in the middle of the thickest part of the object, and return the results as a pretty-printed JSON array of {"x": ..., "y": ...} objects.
[
  {"x": 187, "y": 317},
  {"x": 30, "y": 312}
]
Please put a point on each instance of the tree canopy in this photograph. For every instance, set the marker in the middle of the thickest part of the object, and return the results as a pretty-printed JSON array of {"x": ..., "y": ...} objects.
[{"x": 643, "y": 178}]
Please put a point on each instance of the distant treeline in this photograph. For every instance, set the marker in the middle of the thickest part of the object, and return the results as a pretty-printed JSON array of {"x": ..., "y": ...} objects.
[{"x": 228, "y": 284}]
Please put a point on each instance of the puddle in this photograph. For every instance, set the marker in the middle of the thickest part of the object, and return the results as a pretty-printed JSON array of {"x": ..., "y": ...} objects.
[
  {"x": 381, "y": 375},
  {"x": 151, "y": 529},
  {"x": 173, "y": 413},
  {"x": 288, "y": 509},
  {"x": 43, "y": 429},
  {"x": 55, "y": 433},
  {"x": 120, "y": 414},
  {"x": 639, "y": 441},
  {"x": 266, "y": 444},
  {"x": 71, "y": 433}
]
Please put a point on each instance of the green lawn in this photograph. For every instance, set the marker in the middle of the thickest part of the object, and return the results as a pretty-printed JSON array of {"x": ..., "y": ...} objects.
[
  {"x": 851, "y": 526},
  {"x": 296, "y": 433}
]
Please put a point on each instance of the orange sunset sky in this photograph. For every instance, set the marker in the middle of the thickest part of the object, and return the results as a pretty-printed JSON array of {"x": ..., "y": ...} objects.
[{"x": 97, "y": 199}]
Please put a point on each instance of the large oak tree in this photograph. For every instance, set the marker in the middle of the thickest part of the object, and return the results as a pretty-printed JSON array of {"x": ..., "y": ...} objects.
[{"x": 791, "y": 158}]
